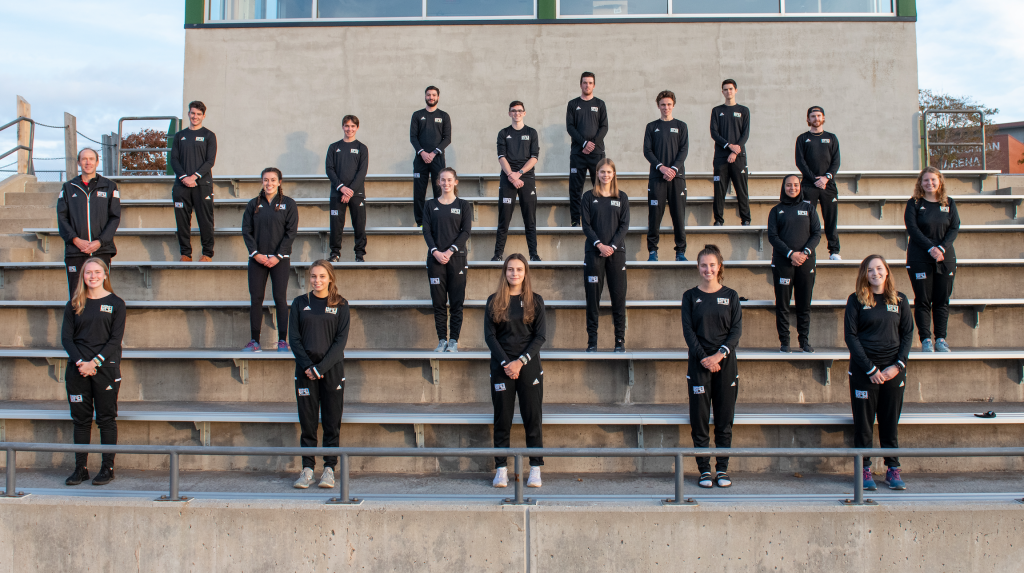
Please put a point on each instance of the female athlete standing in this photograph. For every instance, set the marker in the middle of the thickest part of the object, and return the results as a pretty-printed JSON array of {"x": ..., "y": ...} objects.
[{"x": 447, "y": 222}]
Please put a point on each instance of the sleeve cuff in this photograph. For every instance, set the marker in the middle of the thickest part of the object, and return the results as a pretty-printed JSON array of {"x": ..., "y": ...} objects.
[
  {"x": 101, "y": 357},
  {"x": 454, "y": 248},
  {"x": 500, "y": 155},
  {"x": 439, "y": 152},
  {"x": 939, "y": 247},
  {"x": 829, "y": 175},
  {"x": 789, "y": 254},
  {"x": 596, "y": 242},
  {"x": 340, "y": 185},
  {"x": 726, "y": 146},
  {"x": 807, "y": 252},
  {"x": 724, "y": 350},
  {"x": 658, "y": 166},
  {"x": 872, "y": 371},
  {"x": 317, "y": 372},
  {"x": 612, "y": 245},
  {"x": 432, "y": 250},
  {"x": 418, "y": 151},
  {"x": 283, "y": 256},
  {"x": 676, "y": 168},
  {"x": 182, "y": 177},
  {"x": 252, "y": 254},
  {"x": 901, "y": 365}
]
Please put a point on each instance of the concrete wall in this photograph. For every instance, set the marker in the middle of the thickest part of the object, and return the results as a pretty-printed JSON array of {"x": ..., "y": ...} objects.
[{"x": 276, "y": 96}]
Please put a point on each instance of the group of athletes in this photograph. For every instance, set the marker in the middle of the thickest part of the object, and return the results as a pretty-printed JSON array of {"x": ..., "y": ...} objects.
[{"x": 878, "y": 323}]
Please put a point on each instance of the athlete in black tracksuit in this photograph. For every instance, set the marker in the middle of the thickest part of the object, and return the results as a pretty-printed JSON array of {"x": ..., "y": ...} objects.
[
  {"x": 318, "y": 336},
  {"x": 91, "y": 212},
  {"x": 586, "y": 121},
  {"x": 878, "y": 337},
  {"x": 346, "y": 166},
  {"x": 517, "y": 147},
  {"x": 515, "y": 340},
  {"x": 666, "y": 143},
  {"x": 712, "y": 322},
  {"x": 430, "y": 131},
  {"x": 94, "y": 335},
  {"x": 730, "y": 125},
  {"x": 194, "y": 152},
  {"x": 269, "y": 229},
  {"x": 447, "y": 227},
  {"x": 793, "y": 227},
  {"x": 930, "y": 225},
  {"x": 605, "y": 221},
  {"x": 817, "y": 155}
]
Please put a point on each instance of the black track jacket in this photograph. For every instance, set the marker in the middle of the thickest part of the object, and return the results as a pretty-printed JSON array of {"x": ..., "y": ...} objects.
[{"x": 89, "y": 212}]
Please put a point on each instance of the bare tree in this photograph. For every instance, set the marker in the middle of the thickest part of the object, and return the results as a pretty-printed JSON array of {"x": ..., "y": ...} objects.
[
  {"x": 144, "y": 163},
  {"x": 956, "y": 128}
]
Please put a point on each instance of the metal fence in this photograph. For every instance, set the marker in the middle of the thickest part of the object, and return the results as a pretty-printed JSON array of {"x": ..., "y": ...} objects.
[{"x": 174, "y": 452}]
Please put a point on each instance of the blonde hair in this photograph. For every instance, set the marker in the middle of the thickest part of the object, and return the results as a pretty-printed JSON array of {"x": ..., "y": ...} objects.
[
  {"x": 78, "y": 299},
  {"x": 864, "y": 293},
  {"x": 500, "y": 302},
  {"x": 613, "y": 185},
  {"x": 333, "y": 298},
  {"x": 940, "y": 193}
]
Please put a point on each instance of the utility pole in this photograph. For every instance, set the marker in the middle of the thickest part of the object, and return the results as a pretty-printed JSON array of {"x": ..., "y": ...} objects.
[{"x": 24, "y": 137}]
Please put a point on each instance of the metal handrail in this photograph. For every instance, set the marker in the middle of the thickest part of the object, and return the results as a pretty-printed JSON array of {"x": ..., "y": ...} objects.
[
  {"x": 174, "y": 452},
  {"x": 19, "y": 147},
  {"x": 928, "y": 145},
  {"x": 117, "y": 168}
]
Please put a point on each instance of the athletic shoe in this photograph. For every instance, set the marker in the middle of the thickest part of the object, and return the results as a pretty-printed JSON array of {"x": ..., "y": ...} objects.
[
  {"x": 453, "y": 345},
  {"x": 806, "y": 347},
  {"x": 941, "y": 346},
  {"x": 574, "y": 224},
  {"x": 305, "y": 479},
  {"x": 785, "y": 348},
  {"x": 745, "y": 223},
  {"x": 205, "y": 259},
  {"x": 327, "y": 479},
  {"x": 652, "y": 257},
  {"x": 496, "y": 259},
  {"x": 535, "y": 259},
  {"x": 185, "y": 259},
  {"x": 893, "y": 477},
  {"x": 869, "y": 482},
  {"x": 106, "y": 476},
  {"x": 81, "y": 474},
  {"x": 835, "y": 257},
  {"x": 591, "y": 348},
  {"x": 335, "y": 258},
  {"x": 253, "y": 346},
  {"x": 419, "y": 225},
  {"x": 620, "y": 346},
  {"x": 534, "y": 479},
  {"x": 927, "y": 345},
  {"x": 360, "y": 259},
  {"x": 718, "y": 224},
  {"x": 500, "y": 477},
  {"x": 441, "y": 345},
  {"x": 705, "y": 480},
  {"x": 282, "y": 346},
  {"x": 681, "y": 258},
  {"x": 722, "y": 479}
]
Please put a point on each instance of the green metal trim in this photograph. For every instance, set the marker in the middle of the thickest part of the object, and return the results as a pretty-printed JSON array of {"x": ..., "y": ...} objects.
[
  {"x": 546, "y": 9},
  {"x": 906, "y": 8},
  {"x": 194, "y": 11}
]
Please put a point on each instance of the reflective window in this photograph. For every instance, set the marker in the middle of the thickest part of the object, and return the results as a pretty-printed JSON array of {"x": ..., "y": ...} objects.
[
  {"x": 612, "y": 8},
  {"x": 839, "y": 6},
  {"x": 725, "y": 6},
  {"x": 482, "y": 8},
  {"x": 370, "y": 9},
  {"x": 260, "y": 9}
]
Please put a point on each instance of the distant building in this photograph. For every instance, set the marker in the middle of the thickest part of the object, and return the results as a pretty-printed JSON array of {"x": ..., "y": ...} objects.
[{"x": 1006, "y": 150}]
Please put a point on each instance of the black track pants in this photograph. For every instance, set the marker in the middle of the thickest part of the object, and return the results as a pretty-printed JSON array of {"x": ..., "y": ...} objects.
[
  {"x": 73, "y": 264},
  {"x": 828, "y": 198},
  {"x": 357, "y": 207},
  {"x": 507, "y": 194},
  {"x": 93, "y": 394},
  {"x": 421, "y": 171},
  {"x": 200, "y": 200},
  {"x": 529, "y": 387},
  {"x": 595, "y": 269},
  {"x": 724, "y": 173},
  {"x": 447, "y": 294},
  {"x": 278, "y": 275},
  {"x": 712, "y": 392},
  {"x": 883, "y": 400},
  {"x": 789, "y": 279},
  {"x": 320, "y": 398},
  {"x": 579, "y": 165},
  {"x": 661, "y": 194},
  {"x": 933, "y": 285}
]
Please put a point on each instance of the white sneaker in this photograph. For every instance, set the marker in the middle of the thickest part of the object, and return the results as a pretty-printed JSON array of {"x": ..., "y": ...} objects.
[
  {"x": 835, "y": 257},
  {"x": 327, "y": 479},
  {"x": 500, "y": 477},
  {"x": 453, "y": 346},
  {"x": 534, "y": 479},
  {"x": 305, "y": 479},
  {"x": 441, "y": 345}
]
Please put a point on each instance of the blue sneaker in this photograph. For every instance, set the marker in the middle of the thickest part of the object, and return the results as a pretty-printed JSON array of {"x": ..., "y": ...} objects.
[
  {"x": 869, "y": 482},
  {"x": 927, "y": 345},
  {"x": 893, "y": 477},
  {"x": 253, "y": 346},
  {"x": 653, "y": 256},
  {"x": 941, "y": 346},
  {"x": 680, "y": 257}
]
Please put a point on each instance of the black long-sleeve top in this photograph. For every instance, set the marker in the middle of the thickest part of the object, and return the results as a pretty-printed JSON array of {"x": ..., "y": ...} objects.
[
  {"x": 929, "y": 224},
  {"x": 586, "y": 120},
  {"x": 193, "y": 152},
  {"x": 817, "y": 155},
  {"x": 513, "y": 338},
  {"x": 447, "y": 226},
  {"x": 712, "y": 322},
  {"x": 318, "y": 334},
  {"x": 270, "y": 228},
  {"x": 730, "y": 125},
  {"x": 346, "y": 165},
  {"x": 518, "y": 146},
  {"x": 430, "y": 131},
  {"x": 666, "y": 143},
  {"x": 96, "y": 333},
  {"x": 878, "y": 336},
  {"x": 90, "y": 212},
  {"x": 793, "y": 225},
  {"x": 605, "y": 220}
]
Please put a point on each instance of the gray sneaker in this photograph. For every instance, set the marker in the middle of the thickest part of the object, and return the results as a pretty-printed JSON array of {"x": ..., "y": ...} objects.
[
  {"x": 927, "y": 345},
  {"x": 453, "y": 346},
  {"x": 441, "y": 345},
  {"x": 327, "y": 479},
  {"x": 941, "y": 346},
  {"x": 305, "y": 479}
]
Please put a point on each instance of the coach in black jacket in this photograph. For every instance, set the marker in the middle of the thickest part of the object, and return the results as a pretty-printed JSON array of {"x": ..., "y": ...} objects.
[{"x": 88, "y": 213}]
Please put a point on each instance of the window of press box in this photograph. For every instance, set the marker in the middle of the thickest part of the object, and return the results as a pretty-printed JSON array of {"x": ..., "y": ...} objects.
[
  {"x": 260, "y": 9},
  {"x": 369, "y": 9},
  {"x": 625, "y": 8}
]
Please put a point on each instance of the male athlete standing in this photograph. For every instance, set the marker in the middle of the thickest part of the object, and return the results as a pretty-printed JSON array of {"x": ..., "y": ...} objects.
[
  {"x": 430, "y": 133},
  {"x": 666, "y": 143},
  {"x": 817, "y": 158},
  {"x": 193, "y": 153},
  {"x": 518, "y": 147},
  {"x": 586, "y": 120},
  {"x": 730, "y": 128}
]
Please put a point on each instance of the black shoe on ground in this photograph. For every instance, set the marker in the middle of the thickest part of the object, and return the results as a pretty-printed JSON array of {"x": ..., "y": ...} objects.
[
  {"x": 680, "y": 258},
  {"x": 335, "y": 258},
  {"x": 718, "y": 224},
  {"x": 496, "y": 259},
  {"x": 807, "y": 348},
  {"x": 591, "y": 348},
  {"x": 745, "y": 223},
  {"x": 620, "y": 346},
  {"x": 360, "y": 259},
  {"x": 105, "y": 476},
  {"x": 81, "y": 474},
  {"x": 574, "y": 224},
  {"x": 785, "y": 348},
  {"x": 535, "y": 259}
]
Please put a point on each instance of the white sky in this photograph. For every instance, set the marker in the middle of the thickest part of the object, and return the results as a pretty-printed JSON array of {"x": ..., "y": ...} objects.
[{"x": 104, "y": 59}]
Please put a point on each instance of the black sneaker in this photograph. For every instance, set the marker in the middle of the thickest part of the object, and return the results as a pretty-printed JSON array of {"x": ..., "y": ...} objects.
[
  {"x": 806, "y": 347},
  {"x": 535, "y": 259},
  {"x": 335, "y": 258},
  {"x": 745, "y": 223},
  {"x": 574, "y": 224},
  {"x": 591, "y": 347},
  {"x": 360, "y": 259},
  {"x": 105, "y": 476},
  {"x": 785, "y": 348},
  {"x": 496, "y": 259},
  {"x": 620, "y": 346},
  {"x": 81, "y": 474},
  {"x": 718, "y": 224}
]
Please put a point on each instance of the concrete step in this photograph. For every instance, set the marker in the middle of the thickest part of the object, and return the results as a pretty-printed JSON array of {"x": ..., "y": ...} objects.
[
  {"x": 146, "y": 280},
  {"x": 43, "y": 187},
  {"x": 40, "y": 198}
]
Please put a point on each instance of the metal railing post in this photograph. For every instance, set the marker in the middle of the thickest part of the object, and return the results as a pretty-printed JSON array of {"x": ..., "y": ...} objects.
[
  {"x": 10, "y": 492},
  {"x": 343, "y": 471},
  {"x": 173, "y": 496},
  {"x": 679, "y": 499},
  {"x": 519, "y": 479},
  {"x": 858, "y": 479}
]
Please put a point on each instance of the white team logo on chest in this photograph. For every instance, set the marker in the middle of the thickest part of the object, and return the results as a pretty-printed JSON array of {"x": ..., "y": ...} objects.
[
  {"x": 331, "y": 310},
  {"x": 614, "y": 203},
  {"x": 737, "y": 114},
  {"x": 593, "y": 109},
  {"x": 106, "y": 308},
  {"x": 944, "y": 209},
  {"x": 438, "y": 120},
  {"x": 200, "y": 139},
  {"x": 456, "y": 211},
  {"x": 826, "y": 141},
  {"x": 892, "y": 308},
  {"x": 526, "y": 138},
  {"x": 673, "y": 130},
  {"x": 103, "y": 195},
  {"x": 804, "y": 213},
  {"x": 724, "y": 301}
]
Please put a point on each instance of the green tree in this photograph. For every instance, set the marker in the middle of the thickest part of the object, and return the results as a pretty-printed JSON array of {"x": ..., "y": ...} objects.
[{"x": 956, "y": 128}]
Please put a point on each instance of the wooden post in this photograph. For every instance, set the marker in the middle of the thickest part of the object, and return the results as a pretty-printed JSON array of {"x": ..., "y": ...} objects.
[
  {"x": 24, "y": 129},
  {"x": 70, "y": 147}
]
